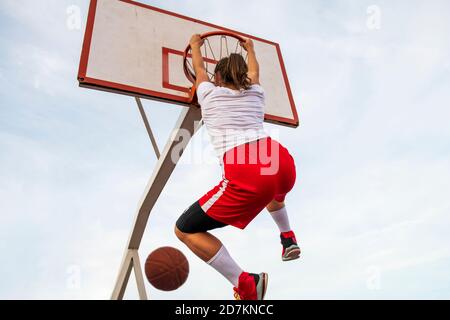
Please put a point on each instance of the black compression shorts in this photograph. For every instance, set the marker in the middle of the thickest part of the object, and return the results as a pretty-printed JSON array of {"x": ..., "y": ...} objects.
[{"x": 195, "y": 220}]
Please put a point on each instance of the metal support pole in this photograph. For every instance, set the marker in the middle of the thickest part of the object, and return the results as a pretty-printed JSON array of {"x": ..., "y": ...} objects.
[
  {"x": 147, "y": 126},
  {"x": 188, "y": 122}
]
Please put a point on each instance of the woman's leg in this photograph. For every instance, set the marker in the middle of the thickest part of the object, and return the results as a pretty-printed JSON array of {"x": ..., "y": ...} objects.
[
  {"x": 208, "y": 248},
  {"x": 279, "y": 215},
  {"x": 192, "y": 229},
  {"x": 277, "y": 210},
  {"x": 203, "y": 244}
]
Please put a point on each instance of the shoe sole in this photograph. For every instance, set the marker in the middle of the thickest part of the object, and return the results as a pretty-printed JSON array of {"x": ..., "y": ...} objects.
[
  {"x": 264, "y": 277},
  {"x": 294, "y": 254}
]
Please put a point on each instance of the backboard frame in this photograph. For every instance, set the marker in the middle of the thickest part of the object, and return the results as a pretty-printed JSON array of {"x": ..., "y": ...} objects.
[{"x": 99, "y": 84}]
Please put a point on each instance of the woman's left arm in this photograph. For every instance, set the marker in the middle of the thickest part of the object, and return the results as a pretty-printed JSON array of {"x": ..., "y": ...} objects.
[{"x": 197, "y": 60}]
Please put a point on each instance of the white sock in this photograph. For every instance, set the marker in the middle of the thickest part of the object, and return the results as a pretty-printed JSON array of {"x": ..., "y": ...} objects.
[
  {"x": 281, "y": 219},
  {"x": 225, "y": 264}
]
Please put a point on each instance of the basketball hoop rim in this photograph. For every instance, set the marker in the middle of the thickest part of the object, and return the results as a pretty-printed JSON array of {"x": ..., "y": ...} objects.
[{"x": 189, "y": 75}]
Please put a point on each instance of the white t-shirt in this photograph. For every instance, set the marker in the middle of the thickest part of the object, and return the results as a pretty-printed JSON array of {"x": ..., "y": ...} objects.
[{"x": 232, "y": 117}]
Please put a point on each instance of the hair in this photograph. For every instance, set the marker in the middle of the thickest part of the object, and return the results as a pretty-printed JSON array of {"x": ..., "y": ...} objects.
[{"x": 233, "y": 70}]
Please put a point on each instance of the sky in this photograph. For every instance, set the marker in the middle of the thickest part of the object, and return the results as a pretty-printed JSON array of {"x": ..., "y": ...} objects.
[{"x": 371, "y": 80}]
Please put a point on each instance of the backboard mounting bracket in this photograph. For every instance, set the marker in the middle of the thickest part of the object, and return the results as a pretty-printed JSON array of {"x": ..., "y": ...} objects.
[{"x": 148, "y": 127}]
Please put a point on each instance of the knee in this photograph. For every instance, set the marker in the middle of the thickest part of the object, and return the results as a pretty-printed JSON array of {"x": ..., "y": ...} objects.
[
  {"x": 275, "y": 206},
  {"x": 180, "y": 234}
]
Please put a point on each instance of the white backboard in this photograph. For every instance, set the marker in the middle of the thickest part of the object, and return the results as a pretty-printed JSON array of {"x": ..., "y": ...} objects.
[{"x": 136, "y": 49}]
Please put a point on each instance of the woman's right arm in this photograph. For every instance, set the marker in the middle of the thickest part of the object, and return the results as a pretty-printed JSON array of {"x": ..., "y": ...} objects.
[
  {"x": 253, "y": 65},
  {"x": 197, "y": 60}
]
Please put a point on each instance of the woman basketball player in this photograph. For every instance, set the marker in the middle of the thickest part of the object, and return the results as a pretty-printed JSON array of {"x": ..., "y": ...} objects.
[{"x": 258, "y": 172}]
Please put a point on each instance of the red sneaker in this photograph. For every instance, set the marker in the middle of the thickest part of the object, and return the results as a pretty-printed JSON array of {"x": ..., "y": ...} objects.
[
  {"x": 291, "y": 250},
  {"x": 251, "y": 286}
]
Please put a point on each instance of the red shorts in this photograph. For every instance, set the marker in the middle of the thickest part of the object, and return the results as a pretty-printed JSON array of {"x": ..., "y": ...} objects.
[{"x": 255, "y": 173}]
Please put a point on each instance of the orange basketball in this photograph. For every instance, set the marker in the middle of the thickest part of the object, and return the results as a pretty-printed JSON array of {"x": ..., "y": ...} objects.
[{"x": 167, "y": 268}]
